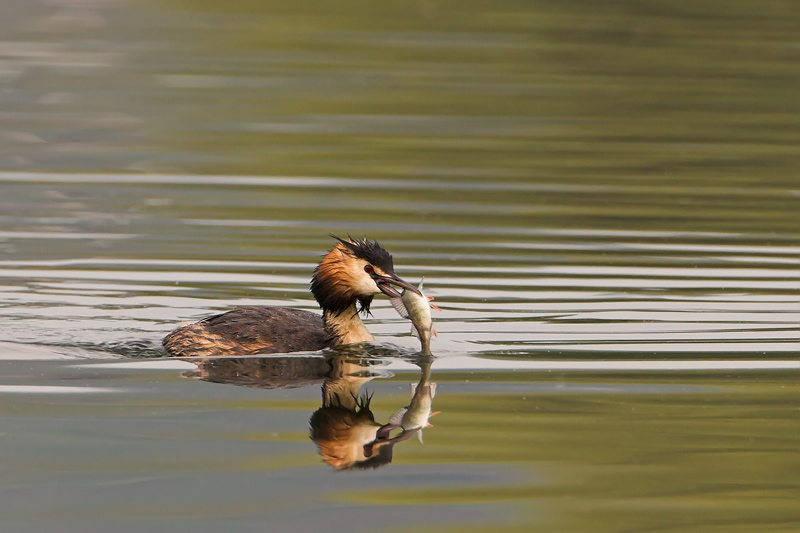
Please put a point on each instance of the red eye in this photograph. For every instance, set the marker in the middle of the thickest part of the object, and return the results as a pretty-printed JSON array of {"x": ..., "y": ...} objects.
[{"x": 368, "y": 269}]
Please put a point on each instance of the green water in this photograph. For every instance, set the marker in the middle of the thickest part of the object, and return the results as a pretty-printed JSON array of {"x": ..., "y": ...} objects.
[{"x": 603, "y": 199}]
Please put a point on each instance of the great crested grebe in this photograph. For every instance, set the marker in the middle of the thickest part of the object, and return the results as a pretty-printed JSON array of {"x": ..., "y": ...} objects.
[{"x": 351, "y": 273}]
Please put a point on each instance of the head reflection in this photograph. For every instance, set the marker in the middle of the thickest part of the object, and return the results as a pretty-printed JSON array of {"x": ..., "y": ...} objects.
[
  {"x": 344, "y": 428},
  {"x": 343, "y": 435}
]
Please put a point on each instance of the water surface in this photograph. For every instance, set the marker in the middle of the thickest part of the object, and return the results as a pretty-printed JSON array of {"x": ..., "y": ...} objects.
[{"x": 602, "y": 199}]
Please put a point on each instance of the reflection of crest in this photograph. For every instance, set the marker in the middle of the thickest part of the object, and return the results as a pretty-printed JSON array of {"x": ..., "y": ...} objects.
[{"x": 343, "y": 428}]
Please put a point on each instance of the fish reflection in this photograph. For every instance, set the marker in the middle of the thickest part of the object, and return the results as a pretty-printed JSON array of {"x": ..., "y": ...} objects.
[
  {"x": 344, "y": 427},
  {"x": 415, "y": 416}
]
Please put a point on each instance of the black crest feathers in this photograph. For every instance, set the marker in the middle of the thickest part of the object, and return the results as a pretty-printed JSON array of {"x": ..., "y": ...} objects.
[{"x": 370, "y": 251}]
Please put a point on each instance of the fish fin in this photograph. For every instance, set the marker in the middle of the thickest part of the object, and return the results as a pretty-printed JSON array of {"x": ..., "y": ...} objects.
[
  {"x": 419, "y": 435},
  {"x": 433, "y": 332},
  {"x": 397, "y": 418},
  {"x": 399, "y": 306},
  {"x": 421, "y": 282},
  {"x": 435, "y": 307},
  {"x": 413, "y": 388},
  {"x": 433, "y": 393}
]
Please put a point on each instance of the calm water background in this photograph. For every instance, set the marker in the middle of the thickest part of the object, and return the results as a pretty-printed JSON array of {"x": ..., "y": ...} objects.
[{"x": 603, "y": 199}]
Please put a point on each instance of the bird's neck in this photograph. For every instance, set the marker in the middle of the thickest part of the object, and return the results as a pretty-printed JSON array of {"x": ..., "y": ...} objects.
[{"x": 346, "y": 327}]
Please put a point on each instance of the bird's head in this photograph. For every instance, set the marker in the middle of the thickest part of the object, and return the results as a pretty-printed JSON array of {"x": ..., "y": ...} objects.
[{"x": 355, "y": 270}]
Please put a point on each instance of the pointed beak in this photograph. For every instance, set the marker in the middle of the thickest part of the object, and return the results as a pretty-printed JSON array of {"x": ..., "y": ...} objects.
[{"x": 385, "y": 285}]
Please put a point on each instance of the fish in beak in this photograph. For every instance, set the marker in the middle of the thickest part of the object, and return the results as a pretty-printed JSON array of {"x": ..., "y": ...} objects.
[{"x": 385, "y": 284}]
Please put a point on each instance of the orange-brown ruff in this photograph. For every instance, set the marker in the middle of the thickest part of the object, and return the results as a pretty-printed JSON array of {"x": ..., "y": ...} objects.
[{"x": 351, "y": 273}]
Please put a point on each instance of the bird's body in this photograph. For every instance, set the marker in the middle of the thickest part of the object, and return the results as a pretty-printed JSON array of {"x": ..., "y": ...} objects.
[
  {"x": 250, "y": 331},
  {"x": 343, "y": 283}
]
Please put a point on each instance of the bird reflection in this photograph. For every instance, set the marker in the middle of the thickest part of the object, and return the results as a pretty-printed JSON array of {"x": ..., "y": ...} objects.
[{"x": 344, "y": 428}]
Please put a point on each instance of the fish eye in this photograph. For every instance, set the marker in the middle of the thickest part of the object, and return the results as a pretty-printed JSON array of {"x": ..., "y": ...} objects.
[{"x": 368, "y": 269}]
